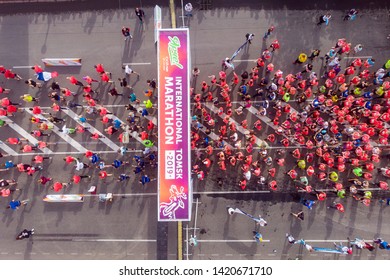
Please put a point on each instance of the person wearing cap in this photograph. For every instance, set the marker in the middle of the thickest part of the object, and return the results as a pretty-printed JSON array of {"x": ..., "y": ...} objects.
[
  {"x": 188, "y": 10},
  {"x": 249, "y": 37},
  {"x": 343, "y": 249}
]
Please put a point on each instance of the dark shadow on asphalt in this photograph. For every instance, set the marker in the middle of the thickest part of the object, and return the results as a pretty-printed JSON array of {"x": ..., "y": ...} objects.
[{"x": 29, "y": 247}]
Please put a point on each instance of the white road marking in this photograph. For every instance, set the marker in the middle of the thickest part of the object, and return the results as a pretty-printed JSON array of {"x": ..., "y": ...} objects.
[
  {"x": 64, "y": 153},
  {"x": 25, "y": 134},
  {"x": 113, "y": 240},
  {"x": 231, "y": 192},
  {"x": 229, "y": 241},
  {"x": 23, "y": 66},
  {"x": 137, "y": 63},
  {"x": 214, "y": 137},
  {"x": 7, "y": 149},
  {"x": 244, "y": 60},
  {"x": 259, "y": 142},
  {"x": 133, "y": 134},
  {"x": 221, "y": 192},
  {"x": 92, "y": 129},
  {"x": 66, "y": 137},
  {"x": 351, "y": 57}
]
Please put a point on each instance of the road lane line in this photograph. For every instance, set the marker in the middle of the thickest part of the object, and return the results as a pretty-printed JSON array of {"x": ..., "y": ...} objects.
[
  {"x": 7, "y": 149},
  {"x": 230, "y": 241},
  {"x": 23, "y": 66},
  {"x": 66, "y": 137},
  {"x": 231, "y": 192},
  {"x": 25, "y": 134},
  {"x": 133, "y": 134},
  {"x": 173, "y": 13},
  {"x": 71, "y": 153},
  {"x": 92, "y": 129},
  {"x": 112, "y": 240},
  {"x": 216, "y": 192},
  {"x": 351, "y": 57},
  {"x": 214, "y": 137},
  {"x": 137, "y": 63},
  {"x": 294, "y": 110},
  {"x": 258, "y": 141},
  {"x": 244, "y": 60}
]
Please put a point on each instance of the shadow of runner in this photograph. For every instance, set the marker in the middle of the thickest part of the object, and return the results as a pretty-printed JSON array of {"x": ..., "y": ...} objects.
[{"x": 29, "y": 247}]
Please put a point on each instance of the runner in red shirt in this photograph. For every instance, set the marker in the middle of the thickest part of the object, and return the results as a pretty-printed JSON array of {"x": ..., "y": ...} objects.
[
  {"x": 77, "y": 178},
  {"x": 99, "y": 68},
  {"x": 69, "y": 159},
  {"x": 74, "y": 81},
  {"x": 15, "y": 141},
  {"x": 106, "y": 78},
  {"x": 37, "y": 69},
  {"x": 43, "y": 180},
  {"x": 58, "y": 186},
  {"x": 10, "y": 75},
  {"x": 103, "y": 174}
]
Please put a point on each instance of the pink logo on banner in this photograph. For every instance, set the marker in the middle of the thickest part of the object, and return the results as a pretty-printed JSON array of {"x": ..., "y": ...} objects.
[{"x": 174, "y": 126}]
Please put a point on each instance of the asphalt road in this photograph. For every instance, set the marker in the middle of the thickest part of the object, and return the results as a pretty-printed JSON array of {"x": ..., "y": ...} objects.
[{"x": 127, "y": 228}]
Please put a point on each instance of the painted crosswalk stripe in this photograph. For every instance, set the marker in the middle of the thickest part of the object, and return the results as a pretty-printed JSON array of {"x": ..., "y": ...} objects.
[
  {"x": 214, "y": 137},
  {"x": 133, "y": 134},
  {"x": 295, "y": 111},
  {"x": 258, "y": 141},
  {"x": 7, "y": 149},
  {"x": 67, "y": 138},
  {"x": 25, "y": 134},
  {"x": 137, "y": 63},
  {"x": 230, "y": 241},
  {"x": 91, "y": 129}
]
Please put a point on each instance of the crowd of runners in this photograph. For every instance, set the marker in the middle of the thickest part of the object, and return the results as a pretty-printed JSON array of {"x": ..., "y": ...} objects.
[
  {"x": 66, "y": 97},
  {"x": 83, "y": 96},
  {"x": 333, "y": 124}
]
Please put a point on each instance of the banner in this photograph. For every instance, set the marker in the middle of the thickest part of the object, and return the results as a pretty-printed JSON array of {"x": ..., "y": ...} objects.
[
  {"x": 157, "y": 22},
  {"x": 64, "y": 198},
  {"x": 61, "y": 61},
  {"x": 174, "y": 174},
  {"x": 238, "y": 50}
]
